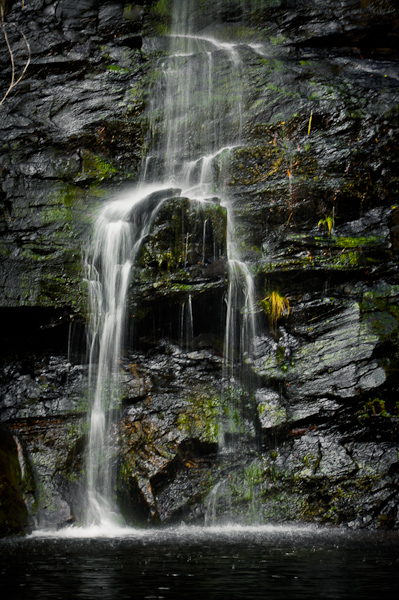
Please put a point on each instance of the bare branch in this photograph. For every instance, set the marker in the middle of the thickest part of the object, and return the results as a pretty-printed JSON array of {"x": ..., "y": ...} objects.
[{"x": 14, "y": 81}]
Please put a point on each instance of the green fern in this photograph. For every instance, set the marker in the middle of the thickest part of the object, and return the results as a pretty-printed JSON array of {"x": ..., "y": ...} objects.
[{"x": 328, "y": 223}]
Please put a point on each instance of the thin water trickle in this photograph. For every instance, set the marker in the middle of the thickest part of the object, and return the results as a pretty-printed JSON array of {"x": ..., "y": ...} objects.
[{"x": 186, "y": 328}]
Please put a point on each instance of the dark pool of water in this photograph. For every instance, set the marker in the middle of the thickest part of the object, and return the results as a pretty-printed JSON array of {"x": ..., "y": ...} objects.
[{"x": 266, "y": 562}]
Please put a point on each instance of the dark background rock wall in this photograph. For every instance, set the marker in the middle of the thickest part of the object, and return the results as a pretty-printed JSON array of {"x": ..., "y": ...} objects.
[
  {"x": 320, "y": 148},
  {"x": 67, "y": 130}
]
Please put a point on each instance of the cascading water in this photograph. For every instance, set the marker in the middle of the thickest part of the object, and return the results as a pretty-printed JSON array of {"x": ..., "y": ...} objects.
[
  {"x": 118, "y": 233},
  {"x": 108, "y": 275},
  {"x": 195, "y": 121}
]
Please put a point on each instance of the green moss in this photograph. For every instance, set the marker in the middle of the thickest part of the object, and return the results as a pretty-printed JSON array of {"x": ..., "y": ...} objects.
[
  {"x": 182, "y": 287},
  {"x": 96, "y": 167},
  {"x": 201, "y": 416},
  {"x": 330, "y": 252},
  {"x": 136, "y": 97},
  {"x": 380, "y": 311},
  {"x": 377, "y": 407},
  {"x": 177, "y": 240},
  {"x": 162, "y": 8},
  {"x": 348, "y": 259},
  {"x": 52, "y": 275},
  {"x": 71, "y": 195},
  {"x": 161, "y": 14},
  {"x": 382, "y": 323},
  {"x": 278, "y": 40},
  {"x": 53, "y": 291},
  {"x": 65, "y": 204},
  {"x": 131, "y": 12},
  {"x": 357, "y": 242},
  {"x": 119, "y": 70},
  {"x": 256, "y": 164},
  {"x": 281, "y": 91}
]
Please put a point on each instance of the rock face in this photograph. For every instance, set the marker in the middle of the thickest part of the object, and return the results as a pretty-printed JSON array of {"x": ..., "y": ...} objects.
[
  {"x": 314, "y": 193},
  {"x": 70, "y": 128},
  {"x": 13, "y": 511}
]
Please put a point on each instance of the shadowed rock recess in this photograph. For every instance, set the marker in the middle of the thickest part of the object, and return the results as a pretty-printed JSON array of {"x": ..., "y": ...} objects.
[{"x": 313, "y": 188}]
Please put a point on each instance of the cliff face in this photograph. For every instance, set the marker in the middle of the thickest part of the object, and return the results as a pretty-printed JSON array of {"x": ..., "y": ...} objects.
[
  {"x": 68, "y": 129},
  {"x": 314, "y": 191}
]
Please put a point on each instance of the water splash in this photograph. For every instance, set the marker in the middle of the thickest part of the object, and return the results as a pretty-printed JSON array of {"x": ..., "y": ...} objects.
[{"x": 190, "y": 533}]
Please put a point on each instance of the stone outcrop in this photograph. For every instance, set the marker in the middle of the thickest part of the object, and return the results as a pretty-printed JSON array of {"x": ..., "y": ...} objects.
[
  {"x": 13, "y": 511},
  {"x": 314, "y": 193}
]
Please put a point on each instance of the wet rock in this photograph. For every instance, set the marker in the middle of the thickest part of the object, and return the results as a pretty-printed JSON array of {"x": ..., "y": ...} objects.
[
  {"x": 62, "y": 141},
  {"x": 169, "y": 435},
  {"x": 54, "y": 387},
  {"x": 13, "y": 510},
  {"x": 270, "y": 410},
  {"x": 156, "y": 198},
  {"x": 185, "y": 233},
  {"x": 46, "y": 444}
]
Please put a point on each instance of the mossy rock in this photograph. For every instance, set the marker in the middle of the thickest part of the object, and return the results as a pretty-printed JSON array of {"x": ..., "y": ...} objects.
[
  {"x": 185, "y": 233},
  {"x": 13, "y": 511}
]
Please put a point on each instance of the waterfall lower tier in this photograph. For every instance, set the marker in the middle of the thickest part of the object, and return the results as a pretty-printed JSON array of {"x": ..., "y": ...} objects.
[{"x": 119, "y": 232}]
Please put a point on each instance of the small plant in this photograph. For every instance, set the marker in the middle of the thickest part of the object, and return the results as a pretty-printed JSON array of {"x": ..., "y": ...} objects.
[
  {"x": 310, "y": 122},
  {"x": 328, "y": 223},
  {"x": 275, "y": 306},
  {"x": 377, "y": 407}
]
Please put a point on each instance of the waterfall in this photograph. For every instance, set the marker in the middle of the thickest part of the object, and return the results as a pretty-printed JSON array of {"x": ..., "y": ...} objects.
[
  {"x": 118, "y": 234},
  {"x": 108, "y": 275},
  {"x": 199, "y": 97}
]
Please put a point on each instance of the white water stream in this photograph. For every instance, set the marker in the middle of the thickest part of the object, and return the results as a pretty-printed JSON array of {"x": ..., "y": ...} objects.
[
  {"x": 195, "y": 121},
  {"x": 118, "y": 234}
]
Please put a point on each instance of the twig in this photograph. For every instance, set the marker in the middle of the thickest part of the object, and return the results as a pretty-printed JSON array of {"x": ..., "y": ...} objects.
[{"x": 14, "y": 81}]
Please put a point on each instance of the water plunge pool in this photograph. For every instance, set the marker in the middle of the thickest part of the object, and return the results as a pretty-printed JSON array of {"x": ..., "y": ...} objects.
[{"x": 270, "y": 562}]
